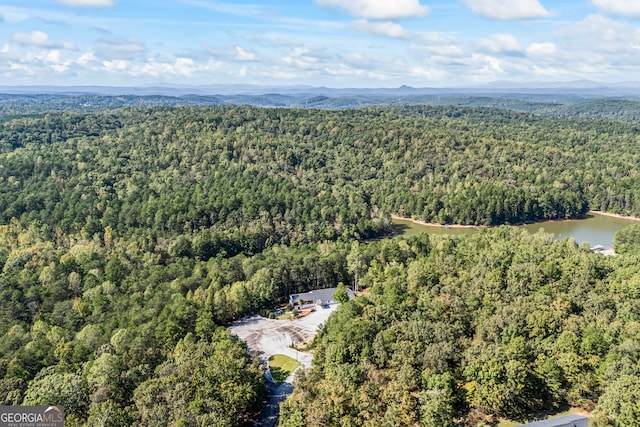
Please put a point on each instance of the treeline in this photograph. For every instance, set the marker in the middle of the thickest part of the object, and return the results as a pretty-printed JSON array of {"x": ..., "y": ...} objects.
[
  {"x": 463, "y": 331},
  {"x": 269, "y": 176},
  {"x": 173, "y": 171},
  {"x": 24, "y": 105},
  {"x": 128, "y": 331},
  {"x": 620, "y": 108},
  {"x": 454, "y": 331},
  {"x": 567, "y": 105},
  {"x": 627, "y": 240}
]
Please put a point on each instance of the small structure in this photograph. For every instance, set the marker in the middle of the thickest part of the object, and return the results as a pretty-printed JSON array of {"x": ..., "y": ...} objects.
[
  {"x": 317, "y": 298},
  {"x": 599, "y": 249},
  {"x": 572, "y": 420}
]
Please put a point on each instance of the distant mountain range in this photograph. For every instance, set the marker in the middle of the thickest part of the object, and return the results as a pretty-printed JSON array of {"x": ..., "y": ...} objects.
[
  {"x": 580, "y": 99},
  {"x": 578, "y": 87}
]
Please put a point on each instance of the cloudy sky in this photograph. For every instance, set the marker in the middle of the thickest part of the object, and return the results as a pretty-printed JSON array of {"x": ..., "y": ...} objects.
[{"x": 335, "y": 43}]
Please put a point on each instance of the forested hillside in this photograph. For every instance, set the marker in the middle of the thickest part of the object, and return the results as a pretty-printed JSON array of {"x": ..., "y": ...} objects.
[
  {"x": 122, "y": 333},
  {"x": 461, "y": 331},
  {"x": 128, "y": 237},
  {"x": 308, "y": 175}
]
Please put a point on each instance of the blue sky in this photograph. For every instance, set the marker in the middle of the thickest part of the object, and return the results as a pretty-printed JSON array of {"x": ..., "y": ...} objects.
[{"x": 335, "y": 43}]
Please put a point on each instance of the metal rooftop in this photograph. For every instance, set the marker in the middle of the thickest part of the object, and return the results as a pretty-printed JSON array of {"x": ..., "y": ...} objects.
[{"x": 572, "y": 420}]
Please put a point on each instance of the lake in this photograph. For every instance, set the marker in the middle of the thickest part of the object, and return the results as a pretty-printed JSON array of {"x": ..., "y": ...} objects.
[{"x": 596, "y": 229}]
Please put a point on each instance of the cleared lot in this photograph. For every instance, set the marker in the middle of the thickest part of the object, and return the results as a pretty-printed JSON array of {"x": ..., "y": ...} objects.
[{"x": 269, "y": 336}]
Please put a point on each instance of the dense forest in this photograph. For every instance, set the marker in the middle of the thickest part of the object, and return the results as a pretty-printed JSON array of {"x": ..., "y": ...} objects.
[
  {"x": 292, "y": 176},
  {"x": 130, "y": 236},
  {"x": 461, "y": 331}
]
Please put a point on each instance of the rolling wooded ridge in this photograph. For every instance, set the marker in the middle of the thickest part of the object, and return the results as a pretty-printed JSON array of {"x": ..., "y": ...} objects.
[{"x": 130, "y": 236}]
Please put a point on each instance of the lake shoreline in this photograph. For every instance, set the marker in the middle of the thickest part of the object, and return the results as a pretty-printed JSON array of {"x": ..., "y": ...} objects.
[
  {"x": 433, "y": 224},
  {"x": 595, "y": 228},
  {"x": 612, "y": 215}
]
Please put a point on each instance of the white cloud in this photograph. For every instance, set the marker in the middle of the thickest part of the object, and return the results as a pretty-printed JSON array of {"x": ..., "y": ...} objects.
[
  {"x": 22, "y": 68},
  {"x": 514, "y": 9},
  {"x": 487, "y": 65},
  {"x": 437, "y": 37},
  {"x": 428, "y": 74},
  {"x": 619, "y": 7},
  {"x": 499, "y": 43},
  {"x": 37, "y": 38},
  {"x": 377, "y": 76},
  {"x": 378, "y": 9},
  {"x": 438, "y": 50},
  {"x": 388, "y": 29},
  {"x": 343, "y": 70},
  {"x": 181, "y": 66},
  {"x": 119, "y": 49},
  {"x": 212, "y": 65},
  {"x": 154, "y": 68},
  {"x": 596, "y": 48},
  {"x": 597, "y": 33},
  {"x": 243, "y": 55},
  {"x": 231, "y": 8},
  {"x": 434, "y": 47},
  {"x": 16, "y": 14},
  {"x": 89, "y": 3},
  {"x": 86, "y": 58},
  {"x": 52, "y": 59},
  {"x": 117, "y": 65},
  {"x": 57, "y": 63},
  {"x": 300, "y": 57},
  {"x": 372, "y": 62},
  {"x": 273, "y": 40},
  {"x": 541, "y": 49},
  {"x": 184, "y": 66},
  {"x": 279, "y": 74},
  {"x": 10, "y": 51},
  {"x": 31, "y": 58},
  {"x": 40, "y": 39},
  {"x": 554, "y": 73}
]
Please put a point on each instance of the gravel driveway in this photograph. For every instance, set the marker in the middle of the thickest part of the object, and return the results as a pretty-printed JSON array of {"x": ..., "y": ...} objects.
[{"x": 269, "y": 337}]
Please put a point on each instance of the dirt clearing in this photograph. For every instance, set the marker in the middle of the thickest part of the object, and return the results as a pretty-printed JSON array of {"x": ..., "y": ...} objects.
[{"x": 270, "y": 336}]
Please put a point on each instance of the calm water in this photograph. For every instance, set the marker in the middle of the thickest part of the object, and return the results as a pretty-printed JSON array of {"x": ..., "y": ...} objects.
[{"x": 594, "y": 229}]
